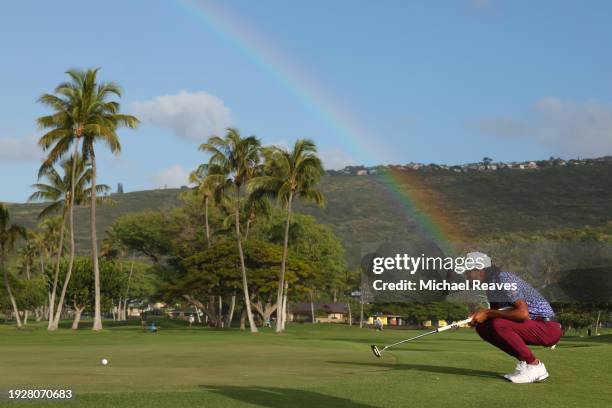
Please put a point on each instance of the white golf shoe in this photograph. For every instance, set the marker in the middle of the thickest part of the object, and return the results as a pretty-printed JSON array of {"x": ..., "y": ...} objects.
[
  {"x": 517, "y": 370},
  {"x": 530, "y": 373}
]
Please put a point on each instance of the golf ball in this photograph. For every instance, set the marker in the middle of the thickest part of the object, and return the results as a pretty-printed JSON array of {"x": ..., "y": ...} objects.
[{"x": 104, "y": 361}]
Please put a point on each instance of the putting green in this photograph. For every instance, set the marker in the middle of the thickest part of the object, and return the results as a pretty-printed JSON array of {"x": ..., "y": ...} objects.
[{"x": 310, "y": 366}]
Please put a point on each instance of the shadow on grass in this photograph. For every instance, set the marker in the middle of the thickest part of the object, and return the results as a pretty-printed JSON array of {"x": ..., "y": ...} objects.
[
  {"x": 377, "y": 341},
  {"x": 567, "y": 346},
  {"x": 273, "y": 397},
  {"x": 604, "y": 338},
  {"x": 425, "y": 368}
]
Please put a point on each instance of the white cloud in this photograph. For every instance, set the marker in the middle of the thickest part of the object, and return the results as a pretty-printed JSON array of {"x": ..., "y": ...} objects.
[
  {"x": 20, "y": 149},
  {"x": 566, "y": 127},
  {"x": 584, "y": 129},
  {"x": 193, "y": 116},
  {"x": 172, "y": 177},
  {"x": 336, "y": 159}
]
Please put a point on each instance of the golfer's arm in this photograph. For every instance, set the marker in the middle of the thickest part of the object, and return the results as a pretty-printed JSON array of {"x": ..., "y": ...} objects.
[{"x": 519, "y": 313}]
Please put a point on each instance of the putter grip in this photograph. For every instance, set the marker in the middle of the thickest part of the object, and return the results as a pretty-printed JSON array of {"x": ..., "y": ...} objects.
[
  {"x": 456, "y": 324},
  {"x": 466, "y": 321}
]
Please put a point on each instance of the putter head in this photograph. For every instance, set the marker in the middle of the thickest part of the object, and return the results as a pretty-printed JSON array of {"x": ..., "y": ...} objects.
[{"x": 375, "y": 350}]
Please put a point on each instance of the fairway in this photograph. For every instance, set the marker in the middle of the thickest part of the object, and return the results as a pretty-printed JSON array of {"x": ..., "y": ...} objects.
[{"x": 309, "y": 366}]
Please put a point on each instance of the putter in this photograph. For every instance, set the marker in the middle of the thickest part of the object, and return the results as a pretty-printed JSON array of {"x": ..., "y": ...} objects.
[{"x": 378, "y": 352}]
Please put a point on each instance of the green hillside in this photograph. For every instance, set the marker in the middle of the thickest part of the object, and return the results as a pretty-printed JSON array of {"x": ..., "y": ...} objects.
[
  {"x": 26, "y": 214},
  {"x": 364, "y": 211}
]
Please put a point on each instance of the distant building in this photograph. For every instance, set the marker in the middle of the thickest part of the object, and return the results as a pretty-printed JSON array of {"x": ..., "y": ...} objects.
[
  {"x": 362, "y": 172},
  {"x": 119, "y": 188},
  {"x": 324, "y": 312}
]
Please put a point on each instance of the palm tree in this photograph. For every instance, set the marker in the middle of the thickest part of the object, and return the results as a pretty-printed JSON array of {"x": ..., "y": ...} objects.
[
  {"x": 208, "y": 190},
  {"x": 9, "y": 234},
  {"x": 83, "y": 114},
  {"x": 57, "y": 191},
  {"x": 47, "y": 239},
  {"x": 256, "y": 206},
  {"x": 30, "y": 252},
  {"x": 289, "y": 175},
  {"x": 237, "y": 158}
]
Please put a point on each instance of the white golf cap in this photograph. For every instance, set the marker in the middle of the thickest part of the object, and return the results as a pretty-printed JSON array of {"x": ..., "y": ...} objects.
[{"x": 475, "y": 259}]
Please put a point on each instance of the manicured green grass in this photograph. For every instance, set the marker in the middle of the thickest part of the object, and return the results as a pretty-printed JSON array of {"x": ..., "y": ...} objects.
[{"x": 309, "y": 366}]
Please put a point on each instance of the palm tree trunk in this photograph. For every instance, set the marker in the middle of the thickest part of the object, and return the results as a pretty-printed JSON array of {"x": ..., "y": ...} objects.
[
  {"x": 57, "y": 269},
  {"x": 285, "y": 292},
  {"x": 220, "y": 314},
  {"x": 350, "y": 318},
  {"x": 230, "y": 314},
  {"x": 47, "y": 310},
  {"x": 120, "y": 308},
  {"x": 54, "y": 325},
  {"x": 242, "y": 319},
  {"x": 9, "y": 292},
  {"x": 312, "y": 313},
  {"x": 246, "y": 232},
  {"x": 245, "y": 287},
  {"x": 77, "y": 317},
  {"x": 124, "y": 310},
  {"x": 127, "y": 289},
  {"x": 97, "y": 323},
  {"x": 361, "y": 311},
  {"x": 281, "y": 281},
  {"x": 206, "y": 221}
]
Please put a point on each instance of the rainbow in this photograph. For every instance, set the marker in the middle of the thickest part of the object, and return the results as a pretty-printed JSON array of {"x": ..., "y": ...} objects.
[
  {"x": 424, "y": 205},
  {"x": 418, "y": 201}
]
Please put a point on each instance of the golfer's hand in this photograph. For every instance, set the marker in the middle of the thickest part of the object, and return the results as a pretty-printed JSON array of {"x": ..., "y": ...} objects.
[{"x": 480, "y": 316}]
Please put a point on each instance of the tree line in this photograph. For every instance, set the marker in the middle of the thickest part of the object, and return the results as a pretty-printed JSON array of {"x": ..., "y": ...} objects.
[{"x": 245, "y": 191}]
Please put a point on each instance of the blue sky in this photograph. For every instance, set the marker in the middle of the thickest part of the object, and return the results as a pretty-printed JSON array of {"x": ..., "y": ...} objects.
[{"x": 446, "y": 82}]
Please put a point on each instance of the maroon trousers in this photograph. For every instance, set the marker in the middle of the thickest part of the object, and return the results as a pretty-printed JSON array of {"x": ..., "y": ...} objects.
[{"x": 513, "y": 337}]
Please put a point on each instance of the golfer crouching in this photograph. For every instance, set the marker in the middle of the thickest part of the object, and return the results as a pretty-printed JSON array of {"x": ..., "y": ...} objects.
[{"x": 530, "y": 320}]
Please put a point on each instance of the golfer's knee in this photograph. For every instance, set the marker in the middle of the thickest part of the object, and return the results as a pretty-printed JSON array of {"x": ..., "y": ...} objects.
[
  {"x": 484, "y": 329},
  {"x": 491, "y": 327}
]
